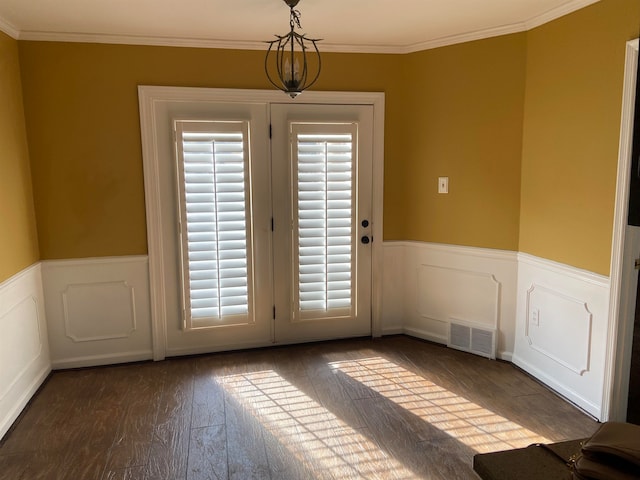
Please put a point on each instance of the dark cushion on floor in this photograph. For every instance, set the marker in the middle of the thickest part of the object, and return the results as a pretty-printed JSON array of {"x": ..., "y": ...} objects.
[{"x": 530, "y": 463}]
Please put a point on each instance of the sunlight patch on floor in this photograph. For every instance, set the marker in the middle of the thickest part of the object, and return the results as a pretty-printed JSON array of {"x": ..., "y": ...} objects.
[
  {"x": 312, "y": 434},
  {"x": 476, "y": 427}
]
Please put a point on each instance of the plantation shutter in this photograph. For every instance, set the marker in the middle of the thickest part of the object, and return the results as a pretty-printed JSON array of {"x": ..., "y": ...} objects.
[
  {"x": 324, "y": 159},
  {"x": 214, "y": 222}
]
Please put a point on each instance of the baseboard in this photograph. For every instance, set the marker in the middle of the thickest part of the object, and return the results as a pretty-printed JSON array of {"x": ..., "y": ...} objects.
[
  {"x": 574, "y": 397},
  {"x": 100, "y": 360},
  {"x": 179, "y": 352},
  {"x": 21, "y": 403},
  {"x": 505, "y": 356},
  {"x": 393, "y": 330},
  {"x": 425, "y": 335}
]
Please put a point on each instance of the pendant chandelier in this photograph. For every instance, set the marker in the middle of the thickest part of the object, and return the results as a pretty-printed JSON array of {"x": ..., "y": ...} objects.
[{"x": 292, "y": 63}]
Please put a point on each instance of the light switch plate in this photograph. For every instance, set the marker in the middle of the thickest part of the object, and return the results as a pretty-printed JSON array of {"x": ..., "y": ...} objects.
[{"x": 443, "y": 184}]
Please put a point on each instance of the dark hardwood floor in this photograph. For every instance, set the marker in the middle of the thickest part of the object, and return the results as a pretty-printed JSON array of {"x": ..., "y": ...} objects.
[{"x": 392, "y": 408}]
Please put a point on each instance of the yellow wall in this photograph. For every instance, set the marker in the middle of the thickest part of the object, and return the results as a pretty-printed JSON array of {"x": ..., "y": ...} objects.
[
  {"x": 526, "y": 127},
  {"x": 573, "y": 104},
  {"x": 18, "y": 238},
  {"x": 463, "y": 120},
  {"x": 82, "y": 114},
  {"x": 462, "y": 106}
]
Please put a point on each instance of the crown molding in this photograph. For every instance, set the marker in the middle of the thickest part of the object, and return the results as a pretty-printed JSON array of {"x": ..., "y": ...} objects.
[
  {"x": 188, "y": 42},
  {"x": 116, "y": 39},
  {"x": 9, "y": 28},
  {"x": 465, "y": 37},
  {"x": 553, "y": 14},
  {"x": 558, "y": 12}
]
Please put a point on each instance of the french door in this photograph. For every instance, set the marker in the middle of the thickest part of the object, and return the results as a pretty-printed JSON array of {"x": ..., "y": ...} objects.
[
  {"x": 262, "y": 225},
  {"x": 321, "y": 184}
]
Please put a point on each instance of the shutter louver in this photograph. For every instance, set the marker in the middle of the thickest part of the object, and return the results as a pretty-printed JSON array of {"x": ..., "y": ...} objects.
[
  {"x": 216, "y": 273},
  {"x": 325, "y": 233}
]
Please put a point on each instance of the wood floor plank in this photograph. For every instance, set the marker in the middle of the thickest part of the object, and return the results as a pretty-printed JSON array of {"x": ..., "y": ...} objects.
[
  {"x": 291, "y": 419},
  {"x": 334, "y": 394},
  {"x": 84, "y": 461},
  {"x": 38, "y": 465},
  {"x": 399, "y": 436},
  {"x": 208, "y": 454},
  {"x": 141, "y": 403},
  {"x": 170, "y": 446},
  {"x": 391, "y": 408},
  {"x": 208, "y": 396},
  {"x": 133, "y": 473},
  {"x": 245, "y": 444}
]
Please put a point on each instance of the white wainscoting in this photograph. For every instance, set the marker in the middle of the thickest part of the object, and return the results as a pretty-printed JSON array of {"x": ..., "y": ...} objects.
[
  {"x": 551, "y": 319},
  {"x": 561, "y": 329},
  {"x": 428, "y": 285},
  {"x": 24, "y": 349},
  {"x": 98, "y": 310}
]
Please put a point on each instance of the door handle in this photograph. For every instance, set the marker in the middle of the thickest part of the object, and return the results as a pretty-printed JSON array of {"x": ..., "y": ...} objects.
[{"x": 365, "y": 239}]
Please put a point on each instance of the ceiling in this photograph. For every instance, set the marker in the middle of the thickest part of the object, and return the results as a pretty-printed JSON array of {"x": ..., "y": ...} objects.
[{"x": 384, "y": 26}]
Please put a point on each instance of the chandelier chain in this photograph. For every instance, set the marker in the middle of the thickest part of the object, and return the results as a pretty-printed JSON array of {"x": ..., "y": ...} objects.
[{"x": 295, "y": 19}]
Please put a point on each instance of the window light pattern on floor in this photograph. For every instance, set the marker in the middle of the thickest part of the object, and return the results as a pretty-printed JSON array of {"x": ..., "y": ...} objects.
[
  {"x": 476, "y": 427},
  {"x": 310, "y": 432}
]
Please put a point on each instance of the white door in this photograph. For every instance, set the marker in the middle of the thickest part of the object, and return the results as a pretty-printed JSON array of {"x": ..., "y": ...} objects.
[
  {"x": 218, "y": 249},
  {"x": 322, "y": 196},
  {"x": 263, "y": 241}
]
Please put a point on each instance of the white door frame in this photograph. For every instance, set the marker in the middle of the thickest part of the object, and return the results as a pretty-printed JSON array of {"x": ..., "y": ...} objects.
[
  {"x": 622, "y": 296},
  {"x": 153, "y": 101}
]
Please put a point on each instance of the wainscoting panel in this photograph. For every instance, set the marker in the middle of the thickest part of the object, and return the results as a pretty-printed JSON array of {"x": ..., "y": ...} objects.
[
  {"x": 117, "y": 320},
  {"x": 552, "y": 320},
  {"x": 447, "y": 293},
  {"x": 98, "y": 310},
  {"x": 431, "y": 284},
  {"x": 24, "y": 349},
  {"x": 561, "y": 329}
]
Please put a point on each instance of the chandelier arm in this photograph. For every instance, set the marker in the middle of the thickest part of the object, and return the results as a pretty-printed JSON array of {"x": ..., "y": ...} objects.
[
  {"x": 266, "y": 65},
  {"x": 315, "y": 79},
  {"x": 292, "y": 56},
  {"x": 280, "y": 59},
  {"x": 302, "y": 80}
]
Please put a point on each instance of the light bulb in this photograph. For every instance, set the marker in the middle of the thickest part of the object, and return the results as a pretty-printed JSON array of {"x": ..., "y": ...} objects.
[{"x": 295, "y": 78}]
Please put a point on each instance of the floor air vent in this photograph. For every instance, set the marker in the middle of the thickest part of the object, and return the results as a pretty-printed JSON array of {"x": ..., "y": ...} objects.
[{"x": 472, "y": 338}]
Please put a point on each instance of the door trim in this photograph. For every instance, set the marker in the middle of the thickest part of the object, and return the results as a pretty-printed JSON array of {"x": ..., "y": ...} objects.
[
  {"x": 153, "y": 103},
  {"x": 618, "y": 356}
]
